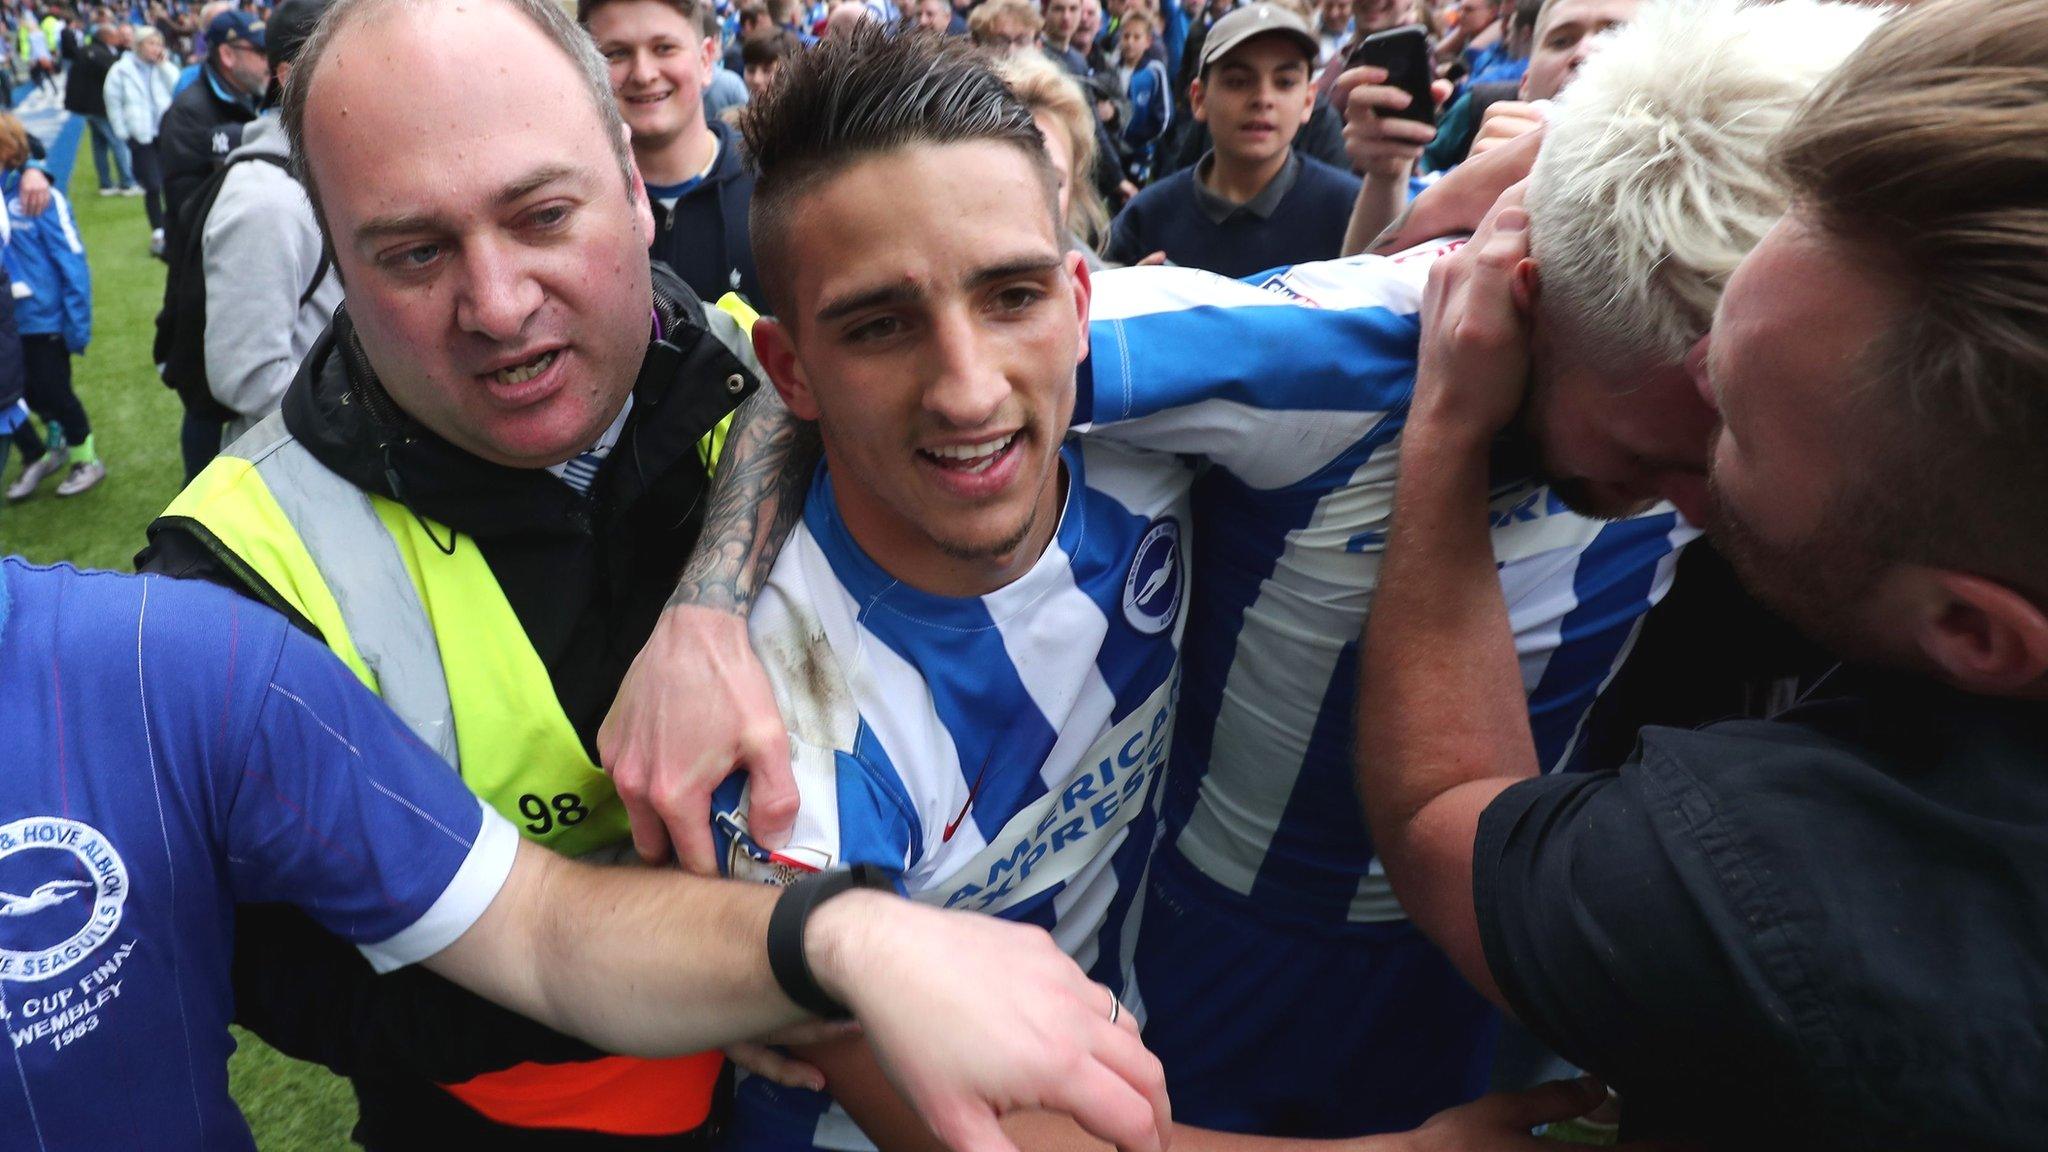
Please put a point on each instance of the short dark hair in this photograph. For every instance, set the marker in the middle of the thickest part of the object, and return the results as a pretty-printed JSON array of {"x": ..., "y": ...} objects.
[
  {"x": 767, "y": 49},
  {"x": 850, "y": 98}
]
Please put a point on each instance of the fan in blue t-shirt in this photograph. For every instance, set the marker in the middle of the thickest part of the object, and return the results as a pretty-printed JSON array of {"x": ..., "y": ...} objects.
[{"x": 159, "y": 773}]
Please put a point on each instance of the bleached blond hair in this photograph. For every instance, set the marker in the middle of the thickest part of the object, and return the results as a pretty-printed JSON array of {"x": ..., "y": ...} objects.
[{"x": 1656, "y": 178}]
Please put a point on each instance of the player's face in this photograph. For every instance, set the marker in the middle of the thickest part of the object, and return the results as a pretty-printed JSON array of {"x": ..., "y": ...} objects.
[
  {"x": 1611, "y": 444},
  {"x": 1564, "y": 38},
  {"x": 660, "y": 65},
  {"x": 1784, "y": 359},
  {"x": 1255, "y": 99},
  {"x": 937, "y": 352},
  {"x": 497, "y": 265}
]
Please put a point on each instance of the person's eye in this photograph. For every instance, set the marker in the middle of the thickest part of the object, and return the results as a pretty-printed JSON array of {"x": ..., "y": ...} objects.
[
  {"x": 1018, "y": 298},
  {"x": 549, "y": 217},
  {"x": 874, "y": 331},
  {"x": 411, "y": 257}
]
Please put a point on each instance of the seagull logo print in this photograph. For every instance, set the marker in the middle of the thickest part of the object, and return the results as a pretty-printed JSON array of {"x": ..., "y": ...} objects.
[
  {"x": 63, "y": 918},
  {"x": 1152, "y": 590},
  {"x": 47, "y": 895}
]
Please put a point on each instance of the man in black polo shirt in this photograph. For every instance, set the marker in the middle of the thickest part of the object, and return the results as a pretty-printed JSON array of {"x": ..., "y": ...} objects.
[
  {"x": 1829, "y": 929},
  {"x": 1253, "y": 202}
]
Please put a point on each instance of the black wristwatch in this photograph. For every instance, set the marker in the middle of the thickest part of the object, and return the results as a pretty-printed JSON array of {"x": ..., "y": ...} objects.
[{"x": 786, "y": 934}]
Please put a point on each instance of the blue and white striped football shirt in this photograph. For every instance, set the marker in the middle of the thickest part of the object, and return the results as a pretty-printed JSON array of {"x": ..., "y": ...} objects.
[
  {"x": 999, "y": 753},
  {"x": 1260, "y": 797}
]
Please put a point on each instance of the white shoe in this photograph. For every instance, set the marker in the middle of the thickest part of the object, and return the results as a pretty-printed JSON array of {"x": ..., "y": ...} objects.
[
  {"x": 32, "y": 476},
  {"x": 110, "y": 191},
  {"x": 156, "y": 242},
  {"x": 83, "y": 476},
  {"x": 132, "y": 190}
]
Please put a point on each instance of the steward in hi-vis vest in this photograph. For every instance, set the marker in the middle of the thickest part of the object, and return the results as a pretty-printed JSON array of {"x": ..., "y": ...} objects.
[{"x": 496, "y": 610}]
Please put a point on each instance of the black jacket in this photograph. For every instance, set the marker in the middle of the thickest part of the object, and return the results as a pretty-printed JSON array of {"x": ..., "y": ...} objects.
[
  {"x": 202, "y": 125},
  {"x": 587, "y": 577},
  {"x": 704, "y": 237},
  {"x": 85, "y": 92}
]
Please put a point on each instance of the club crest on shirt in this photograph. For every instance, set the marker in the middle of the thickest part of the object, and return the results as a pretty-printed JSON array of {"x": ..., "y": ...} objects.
[
  {"x": 1152, "y": 590},
  {"x": 62, "y": 888}
]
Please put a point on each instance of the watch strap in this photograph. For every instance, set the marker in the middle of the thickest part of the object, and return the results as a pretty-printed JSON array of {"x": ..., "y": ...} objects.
[{"x": 786, "y": 925}]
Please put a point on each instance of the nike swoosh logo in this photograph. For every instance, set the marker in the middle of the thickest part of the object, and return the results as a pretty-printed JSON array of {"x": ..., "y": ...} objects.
[{"x": 973, "y": 790}]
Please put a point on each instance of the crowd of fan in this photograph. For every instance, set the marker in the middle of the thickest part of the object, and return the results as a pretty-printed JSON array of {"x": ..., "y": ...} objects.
[{"x": 1468, "y": 542}]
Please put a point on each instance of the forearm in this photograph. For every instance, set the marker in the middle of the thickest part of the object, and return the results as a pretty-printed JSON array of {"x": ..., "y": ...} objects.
[
  {"x": 311, "y": 995},
  {"x": 1442, "y": 720},
  {"x": 1380, "y": 200},
  {"x": 756, "y": 500},
  {"x": 1050, "y": 1132},
  {"x": 857, "y": 1082},
  {"x": 642, "y": 961}
]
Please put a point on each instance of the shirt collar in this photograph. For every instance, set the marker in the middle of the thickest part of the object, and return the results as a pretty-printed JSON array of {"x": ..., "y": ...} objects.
[{"x": 1219, "y": 210}]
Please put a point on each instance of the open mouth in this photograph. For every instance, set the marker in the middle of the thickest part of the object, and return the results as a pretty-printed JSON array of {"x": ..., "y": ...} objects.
[
  {"x": 519, "y": 374},
  {"x": 650, "y": 97},
  {"x": 971, "y": 459}
]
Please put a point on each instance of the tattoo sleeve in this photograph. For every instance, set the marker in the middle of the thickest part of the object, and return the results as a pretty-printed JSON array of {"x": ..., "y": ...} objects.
[{"x": 755, "y": 502}]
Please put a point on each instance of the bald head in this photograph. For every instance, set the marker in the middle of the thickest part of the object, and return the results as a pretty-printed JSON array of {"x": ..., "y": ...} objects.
[{"x": 415, "y": 54}]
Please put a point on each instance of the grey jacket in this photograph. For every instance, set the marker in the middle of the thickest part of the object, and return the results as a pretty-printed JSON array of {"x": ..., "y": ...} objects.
[{"x": 261, "y": 247}]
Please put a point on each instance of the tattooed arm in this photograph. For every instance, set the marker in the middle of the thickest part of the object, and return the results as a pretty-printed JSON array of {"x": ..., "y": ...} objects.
[
  {"x": 755, "y": 503},
  {"x": 696, "y": 705}
]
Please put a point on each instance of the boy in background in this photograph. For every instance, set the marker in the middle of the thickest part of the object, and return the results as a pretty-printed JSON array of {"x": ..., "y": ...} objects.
[{"x": 1253, "y": 202}]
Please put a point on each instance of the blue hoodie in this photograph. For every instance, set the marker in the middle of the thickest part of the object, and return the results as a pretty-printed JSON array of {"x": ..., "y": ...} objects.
[{"x": 46, "y": 254}]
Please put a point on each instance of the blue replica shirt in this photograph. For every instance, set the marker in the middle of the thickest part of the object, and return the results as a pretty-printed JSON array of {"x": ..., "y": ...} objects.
[
  {"x": 172, "y": 749},
  {"x": 1260, "y": 799}
]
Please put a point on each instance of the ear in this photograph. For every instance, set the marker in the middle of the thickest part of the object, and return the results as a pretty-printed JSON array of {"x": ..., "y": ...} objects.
[
  {"x": 643, "y": 208},
  {"x": 775, "y": 345},
  {"x": 1198, "y": 95},
  {"x": 1084, "y": 291},
  {"x": 708, "y": 55},
  {"x": 1526, "y": 284},
  {"x": 1983, "y": 636}
]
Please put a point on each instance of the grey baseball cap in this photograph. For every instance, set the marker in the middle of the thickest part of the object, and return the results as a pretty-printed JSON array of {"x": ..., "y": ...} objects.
[{"x": 1256, "y": 20}]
